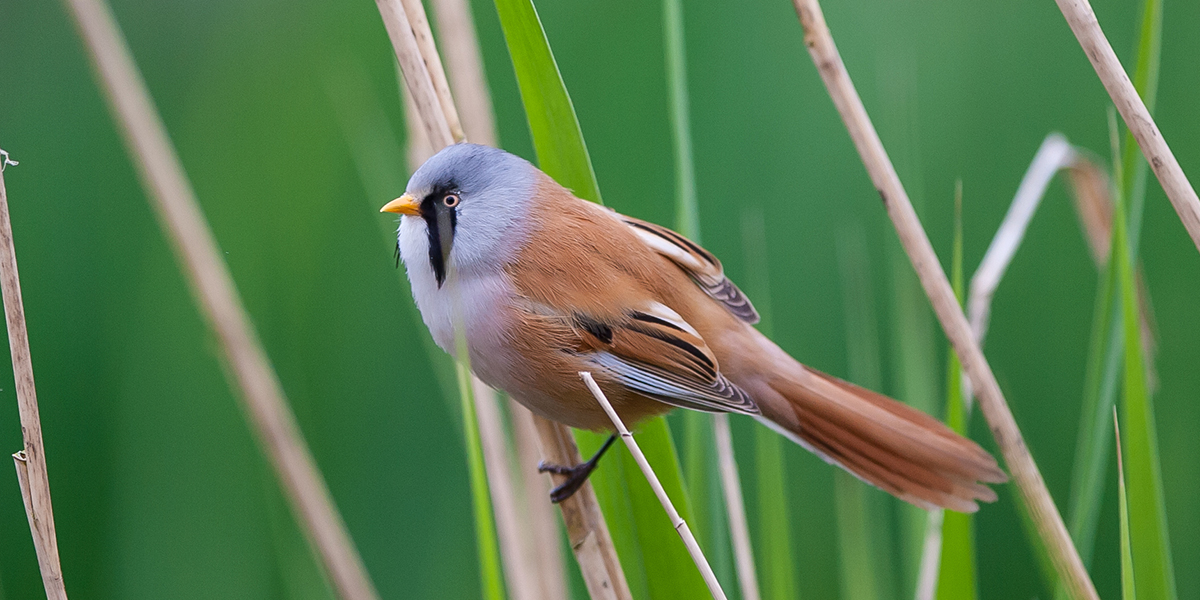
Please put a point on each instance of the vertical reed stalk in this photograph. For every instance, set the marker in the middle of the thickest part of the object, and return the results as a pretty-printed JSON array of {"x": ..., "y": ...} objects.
[
  {"x": 31, "y": 461},
  {"x": 179, "y": 214},
  {"x": 937, "y": 287},
  {"x": 586, "y": 529}
]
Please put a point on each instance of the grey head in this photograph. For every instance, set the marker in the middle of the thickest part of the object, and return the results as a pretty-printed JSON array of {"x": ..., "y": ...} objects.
[{"x": 465, "y": 206}]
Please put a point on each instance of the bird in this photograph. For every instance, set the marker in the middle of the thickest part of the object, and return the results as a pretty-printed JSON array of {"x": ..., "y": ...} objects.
[{"x": 535, "y": 286}]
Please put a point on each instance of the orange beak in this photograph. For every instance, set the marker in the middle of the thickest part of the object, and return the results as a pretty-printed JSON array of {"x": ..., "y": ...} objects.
[{"x": 404, "y": 205}]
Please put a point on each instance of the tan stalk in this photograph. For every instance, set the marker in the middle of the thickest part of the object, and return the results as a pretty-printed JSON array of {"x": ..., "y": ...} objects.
[
  {"x": 1174, "y": 182},
  {"x": 937, "y": 287},
  {"x": 586, "y": 528},
  {"x": 681, "y": 526},
  {"x": 30, "y": 462},
  {"x": 179, "y": 214},
  {"x": 544, "y": 529},
  {"x": 739, "y": 528}
]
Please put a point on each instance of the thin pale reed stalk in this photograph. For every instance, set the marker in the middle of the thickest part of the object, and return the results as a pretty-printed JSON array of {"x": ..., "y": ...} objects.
[
  {"x": 456, "y": 30},
  {"x": 739, "y": 527},
  {"x": 179, "y": 214},
  {"x": 1054, "y": 154},
  {"x": 931, "y": 554},
  {"x": 544, "y": 534},
  {"x": 681, "y": 527},
  {"x": 1083, "y": 23},
  {"x": 933, "y": 279},
  {"x": 586, "y": 530},
  {"x": 30, "y": 462}
]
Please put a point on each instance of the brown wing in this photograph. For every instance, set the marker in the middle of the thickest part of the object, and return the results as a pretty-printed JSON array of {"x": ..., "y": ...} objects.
[
  {"x": 698, "y": 263},
  {"x": 657, "y": 354}
]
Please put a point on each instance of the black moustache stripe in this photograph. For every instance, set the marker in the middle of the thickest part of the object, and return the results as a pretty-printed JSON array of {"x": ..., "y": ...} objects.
[{"x": 440, "y": 222}]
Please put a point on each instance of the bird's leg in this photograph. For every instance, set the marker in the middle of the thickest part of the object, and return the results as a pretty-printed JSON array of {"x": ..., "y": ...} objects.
[{"x": 576, "y": 475}]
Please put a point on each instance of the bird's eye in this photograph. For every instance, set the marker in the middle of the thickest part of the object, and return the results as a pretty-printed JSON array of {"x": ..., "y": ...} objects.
[{"x": 451, "y": 200}]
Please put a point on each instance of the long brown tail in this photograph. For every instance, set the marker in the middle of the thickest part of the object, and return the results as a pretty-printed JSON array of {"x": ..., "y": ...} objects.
[{"x": 881, "y": 441}]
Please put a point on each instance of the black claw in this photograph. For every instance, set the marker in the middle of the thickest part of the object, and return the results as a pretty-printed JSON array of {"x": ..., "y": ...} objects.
[{"x": 576, "y": 476}]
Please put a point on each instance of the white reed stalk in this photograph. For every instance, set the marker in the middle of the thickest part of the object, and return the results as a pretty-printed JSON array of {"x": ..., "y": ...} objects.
[
  {"x": 933, "y": 279},
  {"x": 681, "y": 527},
  {"x": 1174, "y": 182},
  {"x": 739, "y": 529},
  {"x": 931, "y": 556},
  {"x": 212, "y": 286},
  {"x": 586, "y": 528},
  {"x": 30, "y": 462},
  {"x": 1054, "y": 154},
  {"x": 545, "y": 533}
]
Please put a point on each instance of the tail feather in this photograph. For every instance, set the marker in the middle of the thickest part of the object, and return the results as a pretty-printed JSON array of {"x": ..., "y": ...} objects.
[{"x": 883, "y": 442}]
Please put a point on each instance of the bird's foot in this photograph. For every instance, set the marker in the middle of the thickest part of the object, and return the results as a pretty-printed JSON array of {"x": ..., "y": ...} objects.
[{"x": 576, "y": 475}]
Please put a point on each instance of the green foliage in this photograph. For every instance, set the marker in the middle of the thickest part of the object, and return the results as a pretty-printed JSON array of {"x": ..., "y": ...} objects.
[
  {"x": 555, "y": 131},
  {"x": 956, "y": 571},
  {"x": 158, "y": 484},
  {"x": 485, "y": 527},
  {"x": 701, "y": 463},
  {"x": 1153, "y": 567},
  {"x": 1128, "y": 588},
  {"x": 772, "y": 539},
  {"x": 863, "y": 519},
  {"x": 651, "y": 554}
]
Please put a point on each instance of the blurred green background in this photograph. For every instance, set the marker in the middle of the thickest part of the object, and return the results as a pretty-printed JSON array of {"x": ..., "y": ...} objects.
[{"x": 160, "y": 491}]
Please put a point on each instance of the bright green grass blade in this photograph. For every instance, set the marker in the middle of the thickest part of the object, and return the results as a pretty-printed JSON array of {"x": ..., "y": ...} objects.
[
  {"x": 1127, "y": 577},
  {"x": 862, "y": 513},
  {"x": 1105, "y": 351},
  {"x": 773, "y": 542},
  {"x": 1149, "y": 538},
  {"x": 687, "y": 213},
  {"x": 956, "y": 571},
  {"x": 703, "y": 480},
  {"x": 486, "y": 545},
  {"x": 701, "y": 463},
  {"x": 1148, "y": 517},
  {"x": 555, "y": 131},
  {"x": 655, "y": 562}
]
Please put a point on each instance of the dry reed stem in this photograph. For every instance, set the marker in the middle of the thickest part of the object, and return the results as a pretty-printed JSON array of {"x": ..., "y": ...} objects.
[
  {"x": 681, "y": 526},
  {"x": 739, "y": 529},
  {"x": 1054, "y": 154},
  {"x": 544, "y": 532},
  {"x": 456, "y": 30},
  {"x": 212, "y": 286},
  {"x": 933, "y": 279},
  {"x": 586, "y": 528},
  {"x": 417, "y": 79},
  {"x": 419, "y": 22},
  {"x": 516, "y": 549},
  {"x": 1093, "y": 202},
  {"x": 931, "y": 555},
  {"x": 30, "y": 462},
  {"x": 1170, "y": 175}
]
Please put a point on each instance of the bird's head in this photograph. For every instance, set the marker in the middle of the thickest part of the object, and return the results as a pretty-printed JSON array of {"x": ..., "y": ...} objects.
[{"x": 464, "y": 206}]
